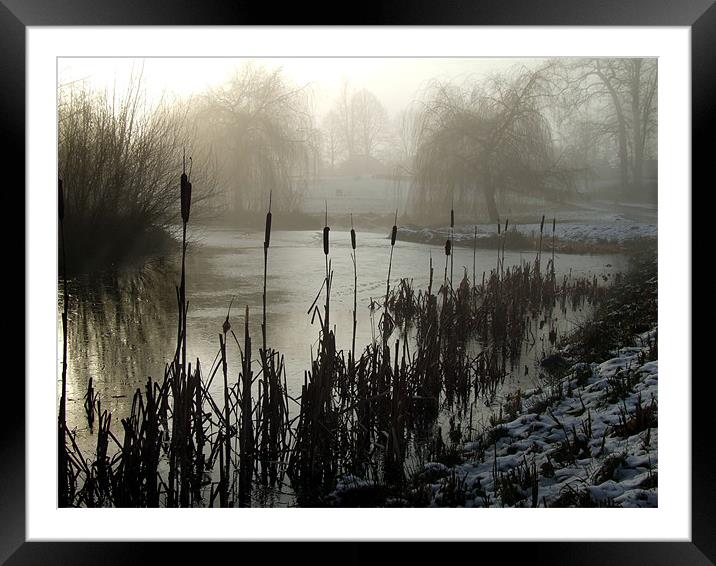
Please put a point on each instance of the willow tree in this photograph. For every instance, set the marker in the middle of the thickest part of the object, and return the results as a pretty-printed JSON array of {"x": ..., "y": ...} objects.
[
  {"x": 483, "y": 138},
  {"x": 260, "y": 127}
]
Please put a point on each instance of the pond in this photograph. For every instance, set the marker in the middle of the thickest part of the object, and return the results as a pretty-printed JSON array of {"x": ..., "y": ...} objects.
[{"x": 123, "y": 323}]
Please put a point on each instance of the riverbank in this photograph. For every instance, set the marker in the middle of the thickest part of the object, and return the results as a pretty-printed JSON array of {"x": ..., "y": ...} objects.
[
  {"x": 587, "y": 437},
  {"x": 571, "y": 237}
]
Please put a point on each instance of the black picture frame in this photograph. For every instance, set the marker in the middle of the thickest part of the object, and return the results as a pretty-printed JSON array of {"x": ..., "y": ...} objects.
[{"x": 699, "y": 15}]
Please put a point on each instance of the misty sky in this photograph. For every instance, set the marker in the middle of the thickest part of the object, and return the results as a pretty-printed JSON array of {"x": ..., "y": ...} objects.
[{"x": 395, "y": 81}]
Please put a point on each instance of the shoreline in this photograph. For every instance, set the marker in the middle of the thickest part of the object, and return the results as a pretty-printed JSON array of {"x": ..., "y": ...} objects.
[{"x": 587, "y": 437}]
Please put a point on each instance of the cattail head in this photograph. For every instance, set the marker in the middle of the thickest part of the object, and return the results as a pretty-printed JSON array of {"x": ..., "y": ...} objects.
[
  {"x": 507, "y": 223},
  {"x": 448, "y": 246},
  {"x": 267, "y": 234},
  {"x": 394, "y": 233},
  {"x": 541, "y": 224},
  {"x": 326, "y": 230},
  {"x": 554, "y": 223},
  {"x": 499, "y": 227},
  {"x": 452, "y": 218},
  {"x": 61, "y": 199},
  {"x": 185, "y": 197},
  {"x": 353, "y": 235}
]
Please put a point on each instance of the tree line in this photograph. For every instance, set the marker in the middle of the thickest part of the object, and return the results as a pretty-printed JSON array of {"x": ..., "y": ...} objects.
[{"x": 536, "y": 130}]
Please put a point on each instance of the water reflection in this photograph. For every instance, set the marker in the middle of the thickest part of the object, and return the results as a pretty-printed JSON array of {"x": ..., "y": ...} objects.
[{"x": 122, "y": 323}]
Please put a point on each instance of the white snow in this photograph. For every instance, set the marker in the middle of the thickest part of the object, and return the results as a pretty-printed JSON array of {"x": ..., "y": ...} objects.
[
  {"x": 613, "y": 470},
  {"x": 616, "y": 231}
]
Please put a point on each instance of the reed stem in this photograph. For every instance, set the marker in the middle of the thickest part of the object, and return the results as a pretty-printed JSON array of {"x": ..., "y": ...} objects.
[{"x": 63, "y": 461}]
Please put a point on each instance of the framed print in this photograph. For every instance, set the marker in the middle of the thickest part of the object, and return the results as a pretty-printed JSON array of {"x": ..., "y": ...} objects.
[{"x": 359, "y": 284}]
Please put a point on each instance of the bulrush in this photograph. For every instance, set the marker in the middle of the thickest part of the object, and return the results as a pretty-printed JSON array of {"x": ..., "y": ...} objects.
[
  {"x": 326, "y": 230},
  {"x": 393, "y": 238},
  {"x": 267, "y": 242},
  {"x": 448, "y": 249},
  {"x": 386, "y": 320},
  {"x": 63, "y": 463},
  {"x": 539, "y": 251},
  {"x": 474, "y": 259},
  {"x": 394, "y": 232},
  {"x": 554, "y": 226},
  {"x": 267, "y": 234},
  {"x": 452, "y": 235},
  {"x": 355, "y": 297},
  {"x": 185, "y": 185},
  {"x": 326, "y": 249}
]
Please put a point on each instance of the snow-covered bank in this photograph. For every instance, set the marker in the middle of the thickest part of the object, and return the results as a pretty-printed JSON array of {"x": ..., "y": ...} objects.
[
  {"x": 589, "y": 440},
  {"x": 616, "y": 231},
  {"x": 588, "y": 436}
]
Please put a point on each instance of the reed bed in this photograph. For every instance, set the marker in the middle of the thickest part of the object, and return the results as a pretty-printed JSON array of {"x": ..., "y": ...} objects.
[{"x": 359, "y": 414}]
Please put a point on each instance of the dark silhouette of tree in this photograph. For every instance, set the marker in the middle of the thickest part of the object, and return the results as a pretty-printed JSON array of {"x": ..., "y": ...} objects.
[
  {"x": 356, "y": 126},
  {"x": 260, "y": 126},
  {"x": 484, "y": 137},
  {"x": 624, "y": 92},
  {"x": 119, "y": 159}
]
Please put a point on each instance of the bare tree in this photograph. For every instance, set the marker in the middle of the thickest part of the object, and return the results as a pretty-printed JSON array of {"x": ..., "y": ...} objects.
[
  {"x": 357, "y": 124},
  {"x": 407, "y": 126},
  {"x": 346, "y": 117},
  {"x": 332, "y": 138},
  {"x": 120, "y": 160},
  {"x": 369, "y": 120},
  {"x": 483, "y": 138},
  {"x": 625, "y": 92},
  {"x": 641, "y": 77},
  {"x": 261, "y": 128}
]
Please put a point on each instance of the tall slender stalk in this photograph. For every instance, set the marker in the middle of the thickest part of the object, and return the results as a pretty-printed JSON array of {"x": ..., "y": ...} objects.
[
  {"x": 554, "y": 225},
  {"x": 246, "y": 434},
  {"x": 430, "y": 282},
  {"x": 185, "y": 199},
  {"x": 267, "y": 241},
  {"x": 504, "y": 242},
  {"x": 393, "y": 237},
  {"x": 226, "y": 469},
  {"x": 474, "y": 259},
  {"x": 63, "y": 461},
  {"x": 355, "y": 294},
  {"x": 539, "y": 251},
  {"x": 452, "y": 237},
  {"x": 387, "y": 321},
  {"x": 448, "y": 253},
  {"x": 499, "y": 231},
  {"x": 326, "y": 249}
]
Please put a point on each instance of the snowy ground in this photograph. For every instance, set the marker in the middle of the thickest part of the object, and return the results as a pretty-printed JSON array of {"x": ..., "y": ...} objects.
[
  {"x": 593, "y": 447},
  {"x": 617, "y": 230},
  {"x": 590, "y": 223},
  {"x": 589, "y": 441}
]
